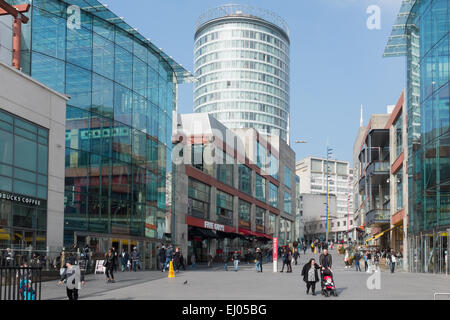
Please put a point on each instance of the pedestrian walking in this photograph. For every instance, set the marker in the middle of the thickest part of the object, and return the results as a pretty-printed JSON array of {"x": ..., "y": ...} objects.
[
  {"x": 162, "y": 258},
  {"x": 310, "y": 276},
  {"x": 135, "y": 256},
  {"x": 182, "y": 261},
  {"x": 312, "y": 247},
  {"x": 8, "y": 258},
  {"x": 357, "y": 258},
  {"x": 236, "y": 260},
  {"x": 296, "y": 255},
  {"x": 392, "y": 260},
  {"x": 325, "y": 260},
  {"x": 169, "y": 255},
  {"x": 124, "y": 257},
  {"x": 366, "y": 262},
  {"x": 109, "y": 266},
  {"x": 176, "y": 260},
  {"x": 259, "y": 258},
  {"x": 376, "y": 260},
  {"x": 193, "y": 261},
  {"x": 225, "y": 260},
  {"x": 69, "y": 272}
]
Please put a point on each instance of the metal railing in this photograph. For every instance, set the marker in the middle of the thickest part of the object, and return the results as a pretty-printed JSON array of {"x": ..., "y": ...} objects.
[
  {"x": 20, "y": 283},
  {"x": 242, "y": 10}
]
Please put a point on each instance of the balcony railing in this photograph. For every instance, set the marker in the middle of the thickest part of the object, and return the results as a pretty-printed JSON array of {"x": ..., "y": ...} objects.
[
  {"x": 378, "y": 216},
  {"x": 378, "y": 167}
]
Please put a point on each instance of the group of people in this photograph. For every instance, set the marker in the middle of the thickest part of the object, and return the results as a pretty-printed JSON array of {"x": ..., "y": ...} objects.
[
  {"x": 310, "y": 271},
  {"x": 372, "y": 259},
  {"x": 167, "y": 255}
]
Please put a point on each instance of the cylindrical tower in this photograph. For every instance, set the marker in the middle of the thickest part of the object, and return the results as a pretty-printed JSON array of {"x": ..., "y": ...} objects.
[{"x": 241, "y": 63}]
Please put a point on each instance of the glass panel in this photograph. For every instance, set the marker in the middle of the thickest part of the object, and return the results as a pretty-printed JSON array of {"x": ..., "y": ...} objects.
[
  {"x": 78, "y": 86},
  {"x": 24, "y": 175},
  {"x": 79, "y": 47},
  {"x": 6, "y": 184},
  {"x": 42, "y": 192},
  {"x": 139, "y": 77},
  {"x": 25, "y": 153},
  {"x": 124, "y": 39},
  {"x": 104, "y": 29},
  {"x": 122, "y": 104},
  {"x": 49, "y": 71},
  {"x": 103, "y": 57},
  {"x": 49, "y": 34},
  {"x": 6, "y": 147},
  {"x": 123, "y": 67},
  {"x": 25, "y": 188},
  {"x": 42, "y": 159},
  {"x": 5, "y": 170},
  {"x": 102, "y": 96}
]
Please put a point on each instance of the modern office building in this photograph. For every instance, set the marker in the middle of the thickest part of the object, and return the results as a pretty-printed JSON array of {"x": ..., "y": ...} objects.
[
  {"x": 123, "y": 90},
  {"x": 32, "y": 126},
  {"x": 235, "y": 189},
  {"x": 313, "y": 180},
  {"x": 241, "y": 64},
  {"x": 313, "y": 211},
  {"x": 421, "y": 34}
]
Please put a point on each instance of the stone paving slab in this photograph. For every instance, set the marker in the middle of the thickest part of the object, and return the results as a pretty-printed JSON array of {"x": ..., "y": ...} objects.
[{"x": 215, "y": 283}]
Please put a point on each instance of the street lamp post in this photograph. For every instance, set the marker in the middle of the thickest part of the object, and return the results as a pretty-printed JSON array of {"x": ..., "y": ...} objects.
[{"x": 329, "y": 153}]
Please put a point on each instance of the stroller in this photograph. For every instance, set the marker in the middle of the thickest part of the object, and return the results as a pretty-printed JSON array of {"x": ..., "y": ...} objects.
[{"x": 327, "y": 282}]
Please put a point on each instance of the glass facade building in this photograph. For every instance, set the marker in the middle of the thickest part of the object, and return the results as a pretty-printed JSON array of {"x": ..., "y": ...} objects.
[
  {"x": 423, "y": 36},
  {"x": 241, "y": 63},
  {"x": 122, "y": 92}
]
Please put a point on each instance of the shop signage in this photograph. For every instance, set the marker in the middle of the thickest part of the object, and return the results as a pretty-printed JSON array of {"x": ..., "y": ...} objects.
[
  {"x": 99, "y": 267},
  {"x": 21, "y": 199},
  {"x": 214, "y": 226}
]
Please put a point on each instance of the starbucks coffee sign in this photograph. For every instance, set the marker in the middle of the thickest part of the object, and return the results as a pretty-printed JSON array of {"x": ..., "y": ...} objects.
[{"x": 20, "y": 199}]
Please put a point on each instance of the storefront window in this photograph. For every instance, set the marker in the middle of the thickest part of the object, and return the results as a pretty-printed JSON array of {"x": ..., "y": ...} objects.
[{"x": 399, "y": 189}]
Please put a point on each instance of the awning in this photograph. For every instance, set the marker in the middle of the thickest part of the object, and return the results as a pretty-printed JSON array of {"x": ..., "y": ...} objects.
[
  {"x": 378, "y": 235},
  {"x": 229, "y": 235},
  {"x": 204, "y": 233}
]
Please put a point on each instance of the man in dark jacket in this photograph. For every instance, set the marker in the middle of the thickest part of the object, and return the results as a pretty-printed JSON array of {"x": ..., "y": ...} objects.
[
  {"x": 176, "y": 260},
  {"x": 236, "y": 260},
  {"x": 296, "y": 254},
  {"x": 124, "y": 257},
  {"x": 357, "y": 258},
  {"x": 162, "y": 258},
  {"x": 325, "y": 260},
  {"x": 8, "y": 258},
  {"x": 70, "y": 271},
  {"x": 259, "y": 258},
  {"x": 169, "y": 255},
  {"x": 135, "y": 256}
]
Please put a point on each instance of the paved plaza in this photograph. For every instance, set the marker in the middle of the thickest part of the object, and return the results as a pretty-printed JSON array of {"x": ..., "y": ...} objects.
[{"x": 215, "y": 283}]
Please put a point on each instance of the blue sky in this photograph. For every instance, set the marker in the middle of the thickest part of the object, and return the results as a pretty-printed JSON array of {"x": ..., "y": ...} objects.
[{"x": 336, "y": 61}]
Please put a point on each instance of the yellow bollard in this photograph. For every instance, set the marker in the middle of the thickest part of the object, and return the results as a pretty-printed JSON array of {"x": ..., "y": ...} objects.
[{"x": 171, "y": 272}]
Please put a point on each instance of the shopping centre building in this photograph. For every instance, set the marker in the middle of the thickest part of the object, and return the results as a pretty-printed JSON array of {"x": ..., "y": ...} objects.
[
  {"x": 123, "y": 90},
  {"x": 235, "y": 188},
  {"x": 421, "y": 33}
]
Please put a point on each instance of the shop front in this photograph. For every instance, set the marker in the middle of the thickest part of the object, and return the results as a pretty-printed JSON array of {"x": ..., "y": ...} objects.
[
  {"x": 207, "y": 238},
  {"x": 428, "y": 252},
  {"x": 99, "y": 244}
]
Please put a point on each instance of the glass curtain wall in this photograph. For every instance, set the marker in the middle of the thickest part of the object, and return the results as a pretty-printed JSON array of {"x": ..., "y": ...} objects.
[{"x": 118, "y": 128}]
